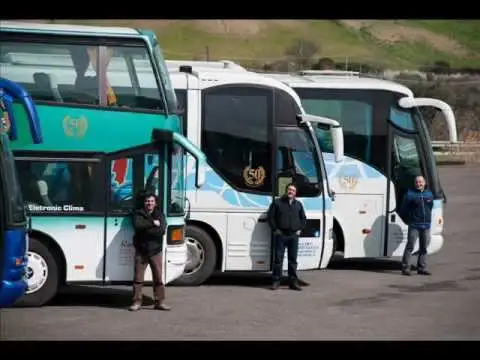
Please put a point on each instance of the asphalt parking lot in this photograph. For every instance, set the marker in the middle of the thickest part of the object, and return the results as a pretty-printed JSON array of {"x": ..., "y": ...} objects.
[{"x": 353, "y": 300}]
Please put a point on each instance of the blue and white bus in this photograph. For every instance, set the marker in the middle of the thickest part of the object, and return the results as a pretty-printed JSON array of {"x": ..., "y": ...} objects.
[
  {"x": 13, "y": 221},
  {"x": 106, "y": 139}
]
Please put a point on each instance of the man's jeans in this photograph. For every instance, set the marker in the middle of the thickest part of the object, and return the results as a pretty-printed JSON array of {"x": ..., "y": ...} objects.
[
  {"x": 290, "y": 242},
  {"x": 156, "y": 263},
  {"x": 424, "y": 238}
]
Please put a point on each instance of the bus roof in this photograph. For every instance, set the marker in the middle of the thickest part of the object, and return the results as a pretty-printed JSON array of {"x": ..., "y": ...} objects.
[
  {"x": 335, "y": 79},
  {"x": 39, "y": 28},
  {"x": 206, "y": 65},
  {"x": 203, "y": 77},
  {"x": 340, "y": 82}
]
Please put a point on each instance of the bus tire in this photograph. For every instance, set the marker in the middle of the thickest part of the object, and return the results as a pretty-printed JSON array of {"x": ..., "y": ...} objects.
[
  {"x": 334, "y": 247},
  {"x": 43, "y": 268},
  {"x": 200, "y": 246}
]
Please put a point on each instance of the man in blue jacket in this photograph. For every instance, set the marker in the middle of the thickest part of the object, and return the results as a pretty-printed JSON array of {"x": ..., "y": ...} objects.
[{"x": 416, "y": 210}]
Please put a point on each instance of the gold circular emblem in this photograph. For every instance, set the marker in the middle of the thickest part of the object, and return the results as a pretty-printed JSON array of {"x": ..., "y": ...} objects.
[
  {"x": 348, "y": 182},
  {"x": 254, "y": 177},
  {"x": 75, "y": 127}
]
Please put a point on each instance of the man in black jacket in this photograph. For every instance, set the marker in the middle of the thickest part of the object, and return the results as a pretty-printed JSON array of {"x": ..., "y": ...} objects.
[
  {"x": 286, "y": 217},
  {"x": 149, "y": 224}
]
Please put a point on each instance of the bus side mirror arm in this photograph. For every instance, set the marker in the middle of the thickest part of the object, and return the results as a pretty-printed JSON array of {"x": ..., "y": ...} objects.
[
  {"x": 336, "y": 132},
  {"x": 408, "y": 103},
  {"x": 197, "y": 154},
  {"x": 200, "y": 173},
  {"x": 9, "y": 91}
]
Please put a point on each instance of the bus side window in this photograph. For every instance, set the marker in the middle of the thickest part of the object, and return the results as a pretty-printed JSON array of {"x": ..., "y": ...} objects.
[
  {"x": 121, "y": 184},
  {"x": 59, "y": 186},
  {"x": 235, "y": 137},
  {"x": 151, "y": 173}
]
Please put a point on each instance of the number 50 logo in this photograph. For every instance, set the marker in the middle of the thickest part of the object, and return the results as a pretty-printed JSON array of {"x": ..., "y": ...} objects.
[{"x": 254, "y": 177}]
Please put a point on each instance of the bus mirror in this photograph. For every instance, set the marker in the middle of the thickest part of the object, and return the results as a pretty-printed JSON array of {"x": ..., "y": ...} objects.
[
  {"x": 200, "y": 174},
  {"x": 336, "y": 131},
  {"x": 197, "y": 154},
  {"x": 393, "y": 199},
  {"x": 187, "y": 209},
  {"x": 337, "y": 141},
  {"x": 408, "y": 103}
]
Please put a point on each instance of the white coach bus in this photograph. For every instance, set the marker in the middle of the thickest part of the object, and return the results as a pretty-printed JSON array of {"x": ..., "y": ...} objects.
[
  {"x": 255, "y": 135},
  {"x": 387, "y": 143}
]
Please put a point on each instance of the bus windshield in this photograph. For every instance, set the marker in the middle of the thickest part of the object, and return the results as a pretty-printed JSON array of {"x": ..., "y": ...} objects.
[
  {"x": 165, "y": 78},
  {"x": 80, "y": 73},
  {"x": 354, "y": 115},
  {"x": 364, "y": 116},
  {"x": 10, "y": 189}
]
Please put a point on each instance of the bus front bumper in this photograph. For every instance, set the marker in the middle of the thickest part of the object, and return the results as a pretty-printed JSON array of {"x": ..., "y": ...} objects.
[{"x": 11, "y": 291}]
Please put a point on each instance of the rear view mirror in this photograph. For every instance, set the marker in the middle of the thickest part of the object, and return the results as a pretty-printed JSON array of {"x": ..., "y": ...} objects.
[
  {"x": 187, "y": 209},
  {"x": 336, "y": 131},
  {"x": 409, "y": 102},
  {"x": 337, "y": 142}
]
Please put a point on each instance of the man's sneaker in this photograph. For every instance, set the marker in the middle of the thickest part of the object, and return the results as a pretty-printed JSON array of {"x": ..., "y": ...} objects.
[
  {"x": 275, "y": 285},
  {"x": 294, "y": 286},
  {"x": 424, "y": 272},
  {"x": 161, "y": 306},
  {"x": 406, "y": 272},
  {"x": 135, "y": 306}
]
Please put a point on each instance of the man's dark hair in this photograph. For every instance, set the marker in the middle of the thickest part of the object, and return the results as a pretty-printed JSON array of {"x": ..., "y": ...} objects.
[
  {"x": 291, "y": 184},
  {"x": 148, "y": 195}
]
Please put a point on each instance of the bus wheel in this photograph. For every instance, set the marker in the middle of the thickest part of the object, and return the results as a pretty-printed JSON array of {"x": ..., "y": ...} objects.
[
  {"x": 334, "y": 247},
  {"x": 42, "y": 276},
  {"x": 201, "y": 257}
]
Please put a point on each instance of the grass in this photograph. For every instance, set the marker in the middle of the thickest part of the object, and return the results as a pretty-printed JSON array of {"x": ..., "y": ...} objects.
[
  {"x": 465, "y": 32},
  {"x": 189, "y": 39}
]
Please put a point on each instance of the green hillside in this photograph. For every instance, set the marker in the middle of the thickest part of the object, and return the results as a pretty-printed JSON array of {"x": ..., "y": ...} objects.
[{"x": 399, "y": 44}]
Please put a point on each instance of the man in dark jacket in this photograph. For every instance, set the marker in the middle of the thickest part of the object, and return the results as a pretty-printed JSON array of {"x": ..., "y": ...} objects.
[
  {"x": 286, "y": 217},
  {"x": 416, "y": 210},
  {"x": 149, "y": 224}
]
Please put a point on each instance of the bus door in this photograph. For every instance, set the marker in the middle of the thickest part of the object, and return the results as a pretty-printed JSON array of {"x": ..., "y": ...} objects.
[
  {"x": 132, "y": 172},
  {"x": 404, "y": 165},
  {"x": 296, "y": 162}
]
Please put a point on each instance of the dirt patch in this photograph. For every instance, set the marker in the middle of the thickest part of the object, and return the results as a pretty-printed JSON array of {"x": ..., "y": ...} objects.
[
  {"x": 239, "y": 27},
  {"x": 230, "y": 27},
  {"x": 392, "y": 32}
]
